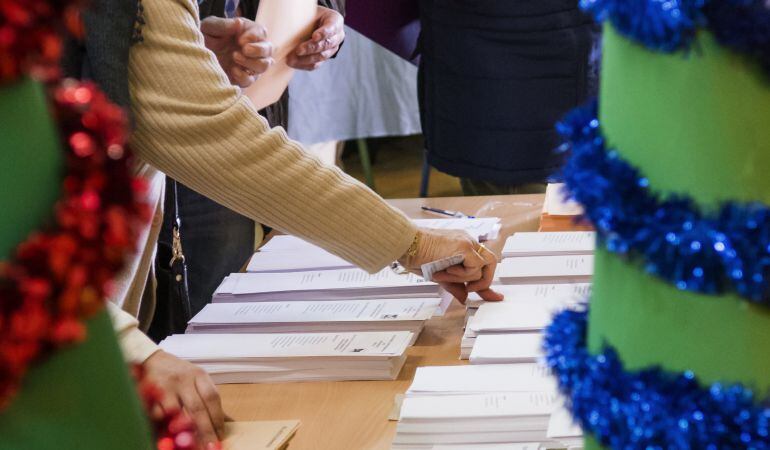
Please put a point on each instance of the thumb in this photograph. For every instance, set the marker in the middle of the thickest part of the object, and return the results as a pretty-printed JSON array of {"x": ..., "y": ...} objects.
[{"x": 219, "y": 27}]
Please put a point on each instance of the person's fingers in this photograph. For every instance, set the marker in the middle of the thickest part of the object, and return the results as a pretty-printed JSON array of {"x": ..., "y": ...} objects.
[
  {"x": 196, "y": 409},
  {"x": 239, "y": 77},
  {"x": 473, "y": 259},
  {"x": 257, "y": 50},
  {"x": 444, "y": 277},
  {"x": 157, "y": 412},
  {"x": 170, "y": 403},
  {"x": 312, "y": 47},
  {"x": 256, "y": 66},
  {"x": 459, "y": 270},
  {"x": 309, "y": 62},
  {"x": 490, "y": 295},
  {"x": 457, "y": 290},
  {"x": 219, "y": 27},
  {"x": 331, "y": 24},
  {"x": 252, "y": 32},
  {"x": 488, "y": 274},
  {"x": 208, "y": 392},
  {"x": 293, "y": 61}
]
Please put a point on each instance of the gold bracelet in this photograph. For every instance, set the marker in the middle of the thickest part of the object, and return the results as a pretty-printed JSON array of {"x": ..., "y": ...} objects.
[{"x": 412, "y": 250}]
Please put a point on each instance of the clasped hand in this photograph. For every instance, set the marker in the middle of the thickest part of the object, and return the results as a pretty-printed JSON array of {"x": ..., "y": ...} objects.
[
  {"x": 244, "y": 52},
  {"x": 475, "y": 274}
]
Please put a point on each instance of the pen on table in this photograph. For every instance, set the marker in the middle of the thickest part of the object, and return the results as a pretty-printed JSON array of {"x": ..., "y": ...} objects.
[{"x": 446, "y": 213}]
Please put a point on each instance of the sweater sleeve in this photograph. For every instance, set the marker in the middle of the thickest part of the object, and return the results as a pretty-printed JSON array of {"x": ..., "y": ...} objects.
[
  {"x": 197, "y": 128},
  {"x": 136, "y": 346}
]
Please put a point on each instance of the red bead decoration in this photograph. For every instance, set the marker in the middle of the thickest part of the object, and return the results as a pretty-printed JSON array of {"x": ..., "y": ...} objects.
[
  {"x": 60, "y": 276},
  {"x": 30, "y": 42}
]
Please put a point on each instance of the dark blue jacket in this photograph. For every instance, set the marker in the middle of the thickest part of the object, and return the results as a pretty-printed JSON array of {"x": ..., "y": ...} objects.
[{"x": 494, "y": 78}]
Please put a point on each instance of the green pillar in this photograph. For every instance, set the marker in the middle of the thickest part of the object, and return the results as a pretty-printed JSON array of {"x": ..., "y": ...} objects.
[
  {"x": 81, "y": 397},
  {"x": 694, "y": 124}
]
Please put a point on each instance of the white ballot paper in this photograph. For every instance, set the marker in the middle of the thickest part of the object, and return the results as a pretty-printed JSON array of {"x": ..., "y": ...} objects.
[
  {"x": 522, "y": 446},
  {"x": 481, "y": 228},
  {"x": 555, "y": 203},
  {"x": 264, "y": 358},
  {"x": 457, "y": 380},
  {"x": 285, "y": 242},
  {"x": 476, "y": 446},
  {"x": 467, "y": 342},
  {"x": 314, "y": 316},
  {"x": 554, "y": 293},
  {"x": 466, "y": 419},
  {"x": 323, "y": 285},
  {"x": 562, "y": 428},
  {"x": 288, "y": 23},
  {"x": 550, "y": 243},
  {"x": 546, "y": 269},
  {"x": 206, "y": 347},
  {"x": 291, "y": 254},
  {"x": 510, "y": 348},
  {"x": 509, "y": 317},
  {"x": 295, "y": 261},
  {"x": 428, "y": 269}
]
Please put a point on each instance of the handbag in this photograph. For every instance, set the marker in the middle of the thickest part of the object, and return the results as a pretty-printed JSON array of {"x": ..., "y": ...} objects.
[{"x": 172, "y": 310}]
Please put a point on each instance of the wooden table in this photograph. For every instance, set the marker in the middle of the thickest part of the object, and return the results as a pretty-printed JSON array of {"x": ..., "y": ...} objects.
[{"x": 353, "y": 415}]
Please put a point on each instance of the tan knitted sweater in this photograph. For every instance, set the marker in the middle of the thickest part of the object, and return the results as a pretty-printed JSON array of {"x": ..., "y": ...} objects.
[{"x": 194, "y": 126}]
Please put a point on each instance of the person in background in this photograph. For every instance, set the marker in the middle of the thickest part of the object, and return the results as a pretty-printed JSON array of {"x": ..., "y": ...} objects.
[
  {"x": 217, "y": 240},
  {"x": 194, "y": 125},
  {"x": 510, "y": 70}
]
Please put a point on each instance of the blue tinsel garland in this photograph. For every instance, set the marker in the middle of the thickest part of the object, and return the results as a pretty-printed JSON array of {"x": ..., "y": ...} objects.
[
  {"x": 649, "y": 409},
  {"x": 706, "y": 252},
  {"x": 671, "y": 25}
]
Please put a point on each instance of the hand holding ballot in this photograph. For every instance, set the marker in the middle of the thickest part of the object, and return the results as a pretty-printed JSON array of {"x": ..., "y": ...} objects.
[
  {"x": 241, "y": 47},
  {"x": 476, "y": 272}
]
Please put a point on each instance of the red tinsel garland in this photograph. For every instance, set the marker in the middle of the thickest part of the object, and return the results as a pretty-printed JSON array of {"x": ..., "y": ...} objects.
[
  {"x": 61, "y": 275},
  {"x": 30, "y": 42}
]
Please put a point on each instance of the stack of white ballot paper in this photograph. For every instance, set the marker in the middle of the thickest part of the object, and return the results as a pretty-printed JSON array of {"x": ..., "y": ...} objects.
[
  {"x": 481, "y": 228},
  {"x": 546, "y": 269},
  {"x": 432, "y": 381},
  {"x": 507, "y": 348},
  {"x": 512, "y": 317},
  {"x": 307, "y": 258},
  {"x": 516, "y": 446},
  {"x": 315, "y": 317},
  {"x": 264, "y": 358},
  {"x": 475, "y": 419},
  {"x": 495, "y": 407},
  {"x": 505, "y": 318},
  {"x": 556, "y": 203},
  {"x": 567, "y": 293},
  {"x": 323, "y": 285},
  {"x": 563, "y": 429},
  {"x": 550, "y": 244}
]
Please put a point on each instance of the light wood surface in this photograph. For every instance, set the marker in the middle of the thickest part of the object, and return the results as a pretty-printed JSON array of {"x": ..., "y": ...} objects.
[{"x": 353, "y": 415}]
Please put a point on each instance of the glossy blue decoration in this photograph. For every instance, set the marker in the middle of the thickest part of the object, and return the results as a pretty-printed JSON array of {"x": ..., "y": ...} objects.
[
  {"x": 710, "y": 252},
  {"x": 649, "y": 409},
  {"x": 671, "y": 25}
]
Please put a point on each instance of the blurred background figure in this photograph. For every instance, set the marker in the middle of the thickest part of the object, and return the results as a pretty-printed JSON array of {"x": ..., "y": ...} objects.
[
  {"x": 494, "y": 78},
  {"x": 367, "y": 92}
]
